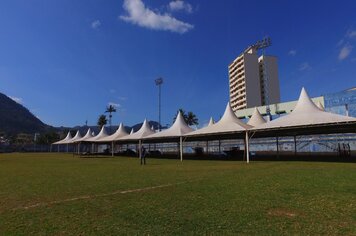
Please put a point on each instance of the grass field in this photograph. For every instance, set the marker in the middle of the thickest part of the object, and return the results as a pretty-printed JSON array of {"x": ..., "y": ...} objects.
[{"x": 42, "y": 194}]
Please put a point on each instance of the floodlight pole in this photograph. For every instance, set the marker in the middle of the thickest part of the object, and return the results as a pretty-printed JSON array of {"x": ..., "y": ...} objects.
[{"x": 159, "y": 82}]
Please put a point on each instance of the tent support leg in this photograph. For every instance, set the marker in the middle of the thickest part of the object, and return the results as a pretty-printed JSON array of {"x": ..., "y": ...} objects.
[
  {"x": 247, "y": 151},
  {"x": 219, "y": 147},
  {"x": 139, "y": 149},
  {"x": 112, "y": 148},
  {"x": 295, "y": 145},
  {"x": 181, "y": 148},
  {"x": 277, "y": 144},
  {"x": 207, "y": 147}
]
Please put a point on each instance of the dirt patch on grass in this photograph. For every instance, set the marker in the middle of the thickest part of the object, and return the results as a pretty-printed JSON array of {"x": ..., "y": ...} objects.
[{"x": 282, "y": 212}]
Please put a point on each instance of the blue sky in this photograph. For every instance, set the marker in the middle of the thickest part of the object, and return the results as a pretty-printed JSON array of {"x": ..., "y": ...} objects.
[{"x": 66, "y": 60}]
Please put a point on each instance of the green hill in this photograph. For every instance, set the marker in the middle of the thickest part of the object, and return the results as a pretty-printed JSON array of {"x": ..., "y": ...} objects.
[{"x": 15, "y": 118}]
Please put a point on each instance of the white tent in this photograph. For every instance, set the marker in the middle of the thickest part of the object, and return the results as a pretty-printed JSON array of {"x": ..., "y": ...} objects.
[
  {"x": 175, "y": 132},
  {"x": 305, "y": 113},
  {"x": 101, "y": 134},
  {"x": 87, "y": 136},
  {"x": 132, "y": 131},
  {"x": 144, "y": 131},
  {"x": 211, "y": 121},
  {"x": 178, "y": 129},
  {"x": 76, "y": 137},
  {"x": 320, "y": 106},
  {"x": 256, "y": 118},
  {"x": 228, "y": 124},
  {"x": 120, "y": 132},
  {"x": 65, "y": 140}
]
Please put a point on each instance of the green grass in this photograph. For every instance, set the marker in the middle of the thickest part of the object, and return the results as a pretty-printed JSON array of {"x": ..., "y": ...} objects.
[{"x": 206, "y": 197}]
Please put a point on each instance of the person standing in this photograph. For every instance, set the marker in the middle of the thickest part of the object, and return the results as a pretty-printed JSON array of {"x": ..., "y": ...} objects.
[{"x": 143, "y": 155}]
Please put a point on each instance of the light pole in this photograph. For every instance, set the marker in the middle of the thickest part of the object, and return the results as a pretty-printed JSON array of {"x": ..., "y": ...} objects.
[{"x": 159, "y": 82}]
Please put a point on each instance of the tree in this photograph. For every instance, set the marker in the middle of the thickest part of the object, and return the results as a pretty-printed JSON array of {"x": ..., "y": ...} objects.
[
  {"x": 190, "y": 118},
  {"x": 110, "y": 109},
  {"x": 102, "y": 121}
]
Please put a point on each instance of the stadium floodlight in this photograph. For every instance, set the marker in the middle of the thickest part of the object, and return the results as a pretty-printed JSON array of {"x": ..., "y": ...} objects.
[{"x": 159, "y": 82}]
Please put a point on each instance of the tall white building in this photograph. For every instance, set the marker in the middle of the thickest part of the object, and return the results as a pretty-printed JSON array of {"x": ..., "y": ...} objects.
[{"x": 247, "y": 80}]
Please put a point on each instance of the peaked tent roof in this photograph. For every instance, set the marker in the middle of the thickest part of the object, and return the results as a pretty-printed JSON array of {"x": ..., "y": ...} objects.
[
  {"x": 178, "y": 129},
  {"x": 120, "y": 132},
  {"x": 211, "y": 121},
  {"x": 101, "y": 134},
  {"x": 256, "y": 118},
  {"x": 229, "y": 123},
  {"x": 76, "y": 137},
  {"x": 87, "y": 136},
  {"x": 305, "y": 113},
  {"x": 132, "y": 131},
  {"x": 65, "y": 140},
  {"x": 144, "y": 131},
  {"x": 320, "y": 106}
]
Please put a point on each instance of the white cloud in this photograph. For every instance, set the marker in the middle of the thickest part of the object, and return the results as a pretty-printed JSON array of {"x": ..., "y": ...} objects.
[
  {"x": 116, "y": 105},
  {"x": 96, "y": 24},
  {"x": 179, "y": 5},
  {"x": 351, "y": 34},
  {"x": 305, "y": 67},
  {"x": 345, "y": 52},
  {"x": 122, "y": 98},
  {"x": 140, "y": 15},
  {"x": 16, "y": 99},
  {"x": 292, "y": 52}
]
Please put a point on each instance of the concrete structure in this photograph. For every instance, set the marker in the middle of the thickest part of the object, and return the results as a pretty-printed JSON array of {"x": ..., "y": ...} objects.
[{"x": 246, "y": 80}]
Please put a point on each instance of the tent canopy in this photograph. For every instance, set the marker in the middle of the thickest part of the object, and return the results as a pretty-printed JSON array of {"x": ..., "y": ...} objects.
[
  {"x": 307, "y": 118},
  {"x": 256, "y": 118},
  {"x": 227, "y": 127},
  {"x": 144, "y": 131},
  {"x": 87, "y": 136},
  {"x": 211, "y": 121},
  {"x": 65, "y": 140},
  {"x": 101, "y": 134},
  {"x": 76, "y": 137},
  {"x": 120, "y": 132},
  {"x": 178, "y": 129}
]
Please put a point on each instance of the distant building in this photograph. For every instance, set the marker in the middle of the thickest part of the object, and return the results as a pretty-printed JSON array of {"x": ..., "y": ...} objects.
[{"x": 246, "y": 80}]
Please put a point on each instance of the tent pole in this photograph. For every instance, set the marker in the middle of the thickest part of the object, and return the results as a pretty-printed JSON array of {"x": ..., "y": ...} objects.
[
  {"x": 139, "y": 148},
  {"x": 247, "y": 148},
  {"x": 219, "y": 147},
  {"x": 112, "y": 148},
  {"x": 207, "y": 147},
  {"x": 78, "y": 148},
  {"x": 67, "y": 147},
  {"x": 57, "y": 147},
  {"x": 295, "y": 145},
  {"x": 277, "y": 146},
  {"x": 181, "y": 148}
]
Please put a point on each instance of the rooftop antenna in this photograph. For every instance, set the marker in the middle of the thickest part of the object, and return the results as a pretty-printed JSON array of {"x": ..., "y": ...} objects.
[{"x": 263, "y": 44}]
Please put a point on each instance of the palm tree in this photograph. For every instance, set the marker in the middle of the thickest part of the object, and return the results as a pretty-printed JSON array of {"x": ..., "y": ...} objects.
[
  {"x": 192, "y": 119},
  {"x": 102, "y": 121},
  {"x": 110, "y": 109}
]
